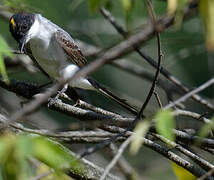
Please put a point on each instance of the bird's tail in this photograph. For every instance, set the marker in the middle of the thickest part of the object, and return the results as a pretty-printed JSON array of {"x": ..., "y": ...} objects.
[{"x": 109, "y": 94}]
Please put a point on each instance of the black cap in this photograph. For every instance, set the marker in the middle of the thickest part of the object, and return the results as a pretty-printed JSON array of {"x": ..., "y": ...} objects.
[{"x": 20, "y": 24}]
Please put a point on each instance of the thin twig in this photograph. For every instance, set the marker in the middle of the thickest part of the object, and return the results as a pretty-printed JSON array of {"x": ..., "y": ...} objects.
[
  {"x": 127, "y": 45},
  {"x": 205, "y": 176},
  {"x": 153, "y": 83},
  {"x": 116, "y": 157},
  {"x": 115, "y": 52},
  {"x": 189, "y": 94},
  {"x": 152, "y": 89},
  {"x": 139, "y": 71},
  {"x": 199, "y": 160},
  {"x": 124, "y": 166},
  {"x": 86, "y": 105},
  {"x": 158, "y": 99},
  {"x": 193, "y": 140},
  {"x": 169, "y": 154},
  {"x": 149, "y": 59},
  {"x": 194, "y": 115},
  {"x": 27, "y": 90},
  {"x": 164, "y": 151}
]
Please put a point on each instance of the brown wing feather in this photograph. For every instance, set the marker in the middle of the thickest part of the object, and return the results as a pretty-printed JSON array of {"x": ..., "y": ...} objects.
[{"x": 71, "y": 49}]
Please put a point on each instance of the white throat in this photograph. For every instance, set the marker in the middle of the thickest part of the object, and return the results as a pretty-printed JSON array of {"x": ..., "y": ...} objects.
[
  {"x": 42, "y": 28},
  {"x": 34, "y": 30}
]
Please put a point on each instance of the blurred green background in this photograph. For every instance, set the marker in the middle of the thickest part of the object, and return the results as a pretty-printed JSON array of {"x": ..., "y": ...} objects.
[{"x": 185, "y": 56}]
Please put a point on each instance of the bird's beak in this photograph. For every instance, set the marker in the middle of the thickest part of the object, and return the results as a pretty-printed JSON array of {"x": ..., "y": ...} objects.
[{"x": 22, "y": 44}]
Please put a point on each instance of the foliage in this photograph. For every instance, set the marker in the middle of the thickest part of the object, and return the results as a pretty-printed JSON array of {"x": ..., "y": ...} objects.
[
  {"x": 165, "y": 124},
  {"x": 44, "y": 169},
  {"x": 176, "y": 5},
  {"x": 140, "y": 131},
  {"x": 94, "y": 5},
  {"x": 126, "y": 5},
  {"x": 182, "y": 173},
  {"x": 17, "y": 150},
  {"x": 207, "y": 15},
  {"x": 4, "y": 51},
  {"x": 206, "y": 128},
  {"x": 15, "y": 5}
]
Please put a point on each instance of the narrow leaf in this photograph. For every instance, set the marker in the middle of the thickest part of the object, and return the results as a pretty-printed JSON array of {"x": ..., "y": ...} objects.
[
  {"x": 4, "y": 51},
  {"x": 139, "y": 132},
  {"x": 206, "y": 128},
  {"x": 165, "y": 124},
  {"x": 94, "y": 5},
  {"x": 54, "y": 155},
  {"x": 127, "y": 5},
  {"x": 182, "y": 173},
  {"x": 207, "y": 15},
  {"x": 172, "y": 6}
]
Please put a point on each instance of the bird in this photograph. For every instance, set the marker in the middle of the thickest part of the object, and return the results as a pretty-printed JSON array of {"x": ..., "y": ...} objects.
[{"x": 55, "y": 52}]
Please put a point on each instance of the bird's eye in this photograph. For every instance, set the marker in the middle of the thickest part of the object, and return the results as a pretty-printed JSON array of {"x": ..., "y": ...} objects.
[{"x": 12, "y": 23}]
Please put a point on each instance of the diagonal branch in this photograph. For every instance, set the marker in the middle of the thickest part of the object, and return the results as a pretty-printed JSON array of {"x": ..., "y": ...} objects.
[
  {"x": 97, "y": 118},
  {"x": 116, "y": 157},
  {"x": 117, "y": 51},
  {"x": 152, "y": 89},
  {"x": 189, "y": 94},
  {"x": 199, "y": 160},
  {"x": 149, "y": 59}
]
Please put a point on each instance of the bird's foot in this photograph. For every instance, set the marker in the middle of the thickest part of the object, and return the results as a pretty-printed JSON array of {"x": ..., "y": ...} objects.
[
  {"x": 77, "y": 103},
  {"x": 51, "y": 101}
]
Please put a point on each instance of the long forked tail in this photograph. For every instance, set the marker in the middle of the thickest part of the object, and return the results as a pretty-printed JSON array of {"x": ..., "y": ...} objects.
[{"x": 109, "y": 94}]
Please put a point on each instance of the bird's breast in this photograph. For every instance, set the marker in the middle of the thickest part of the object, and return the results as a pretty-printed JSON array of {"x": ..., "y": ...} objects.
[{"x": 48, "y": 55}]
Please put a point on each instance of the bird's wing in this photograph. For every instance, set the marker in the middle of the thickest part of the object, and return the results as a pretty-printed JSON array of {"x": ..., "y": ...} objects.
[
  {"x": 28, "y": 51},
  {"x": 71, "y": 49}
]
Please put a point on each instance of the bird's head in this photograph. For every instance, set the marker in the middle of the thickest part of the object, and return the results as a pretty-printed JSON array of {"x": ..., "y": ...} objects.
[{"x": 20, "y": 25}]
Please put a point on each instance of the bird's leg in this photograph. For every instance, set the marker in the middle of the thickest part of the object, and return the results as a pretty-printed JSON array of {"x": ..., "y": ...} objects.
[
  {"x": 59, "y": 93},
  {"x": 72, "y": 94},
  {"x": 77, "y": 103}
]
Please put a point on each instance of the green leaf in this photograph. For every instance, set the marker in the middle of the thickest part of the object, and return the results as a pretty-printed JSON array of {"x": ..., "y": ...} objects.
[
  {"x": 139, "y": 132},
  {"x": 176, "y": 7},
  {"x": 206, "y": 8},
  {"x": 179, "y": 13},
  {"x": 43, "y": 168},
  {"x": 165, "y": 124},
  {"x": 127, "y": 5},
  {"x": 172, "y": 6},
  {"x": 206, "y": 128},
  {"x": 54, "y": 155},
  {"x": 16, "y": 5},
  {"x": 182, "y": 173},
  {"x": 5, "y": 144},
  {"x": 4, "y": 51},
  {"x": 14, "y": 151},
  {"x": 23, "y": 149},
  {"x": 94, "y": 5},
  {"x": 13, "y": 164}
]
